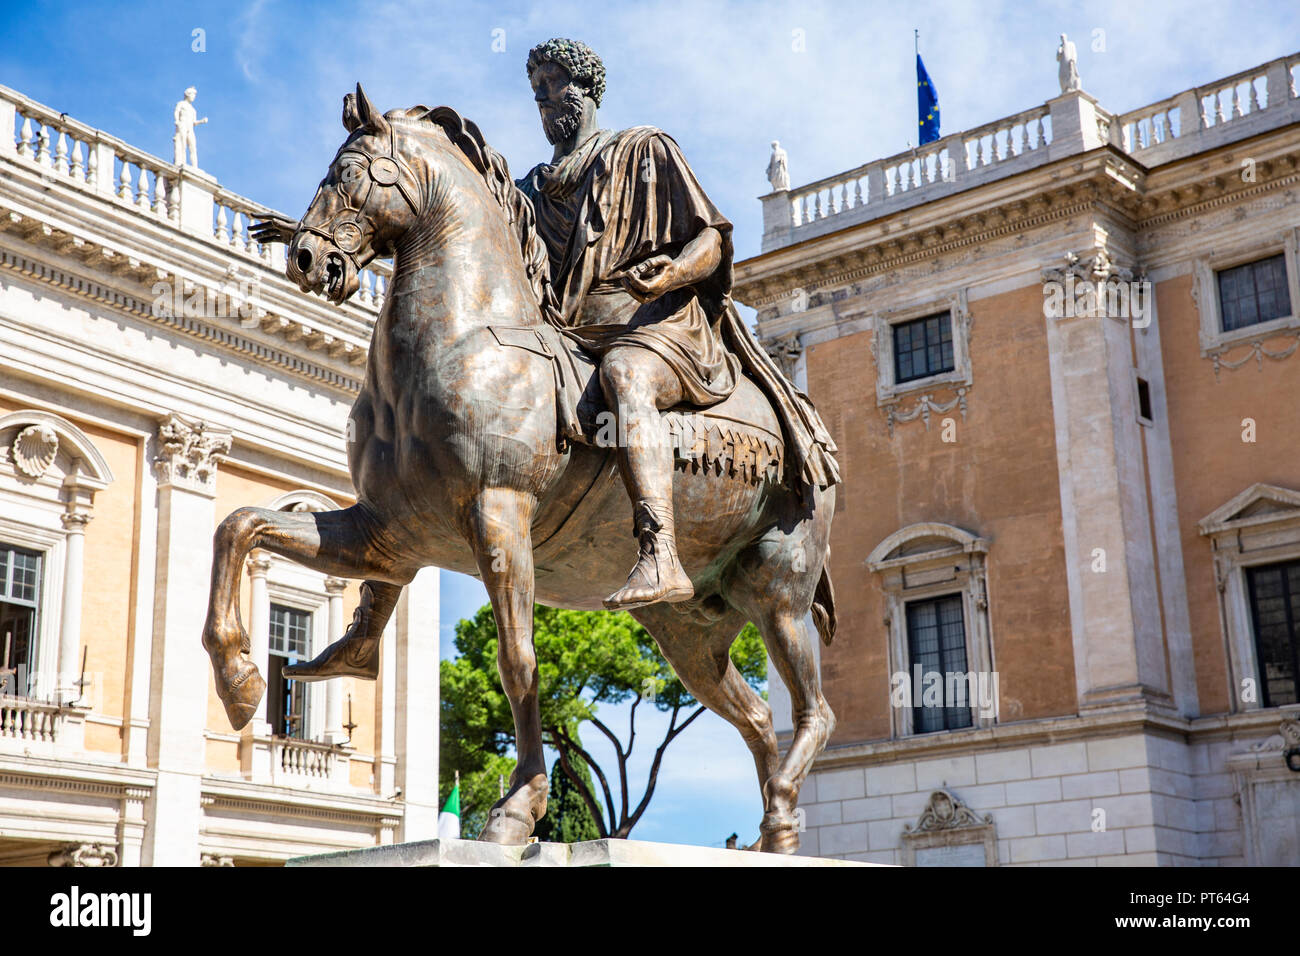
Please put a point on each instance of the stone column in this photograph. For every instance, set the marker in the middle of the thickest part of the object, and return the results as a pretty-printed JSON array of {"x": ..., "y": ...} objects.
[
  {"x": 68, "y": 691},
  {"x": 180, "y": 677},
  {"x": 415, "y": 689},
  {"x": 79, "y": 499},
  {"x": 334, "y": 732},
  {"x": 259, "y": 629}
]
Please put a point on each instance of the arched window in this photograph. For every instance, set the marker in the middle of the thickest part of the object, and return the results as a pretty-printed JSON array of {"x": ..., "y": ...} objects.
[
  {"x": 296, "y": 613},
  {"x": 941, "y": 660},
  {"x": 49, "y": 473}
]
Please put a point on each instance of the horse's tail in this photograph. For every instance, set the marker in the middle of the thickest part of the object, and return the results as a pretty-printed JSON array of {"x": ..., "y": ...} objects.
[{"x": 823, "y": 608}]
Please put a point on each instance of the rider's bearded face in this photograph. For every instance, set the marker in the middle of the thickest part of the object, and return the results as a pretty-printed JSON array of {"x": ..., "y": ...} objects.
[{"x": 562, "y": 114}]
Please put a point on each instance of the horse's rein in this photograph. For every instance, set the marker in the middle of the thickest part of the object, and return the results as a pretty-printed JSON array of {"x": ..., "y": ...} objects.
[{"x": 385, "y": 170}]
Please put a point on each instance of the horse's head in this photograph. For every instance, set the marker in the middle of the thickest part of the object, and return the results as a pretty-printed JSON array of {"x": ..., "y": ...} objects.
[{"x": 369, "y": 198}]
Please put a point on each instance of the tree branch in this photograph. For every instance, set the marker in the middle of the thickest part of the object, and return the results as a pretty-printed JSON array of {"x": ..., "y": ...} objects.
[
  {"x": 622, "y": 768},
  {"x": 653, "y": 777},
  {"x": 604, "y": 783},
  {"x": 587, "y": 797}
]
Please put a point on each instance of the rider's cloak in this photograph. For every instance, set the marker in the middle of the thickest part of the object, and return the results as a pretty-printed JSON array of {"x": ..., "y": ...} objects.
[{"x": 620, "y": 198}]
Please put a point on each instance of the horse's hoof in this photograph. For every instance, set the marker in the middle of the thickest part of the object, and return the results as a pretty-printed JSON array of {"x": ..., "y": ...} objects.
[
  {"x": 242, "y": 695},
  {"x": 779, "y": 836},
  {"x": 346, "y": 657},
  {"x": 507, "y": 827}
]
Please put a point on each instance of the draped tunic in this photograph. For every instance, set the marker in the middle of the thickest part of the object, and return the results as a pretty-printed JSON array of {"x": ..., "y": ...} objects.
[{"x": 623, "y": 197}]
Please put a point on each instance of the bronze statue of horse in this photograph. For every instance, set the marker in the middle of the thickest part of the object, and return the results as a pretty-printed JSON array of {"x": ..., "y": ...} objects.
[{"x": 456, "y": 463}]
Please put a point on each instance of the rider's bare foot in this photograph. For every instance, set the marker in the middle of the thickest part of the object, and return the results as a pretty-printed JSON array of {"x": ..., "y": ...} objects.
[{"x": 658, "y": 576}]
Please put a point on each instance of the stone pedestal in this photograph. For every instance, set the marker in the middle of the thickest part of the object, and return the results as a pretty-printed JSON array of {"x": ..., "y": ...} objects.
[{"x": 592, "y": 853}]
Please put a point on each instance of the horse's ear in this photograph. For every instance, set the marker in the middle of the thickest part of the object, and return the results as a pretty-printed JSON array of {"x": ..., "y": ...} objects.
[
  {"x": 369, "y": 114},
  {"x": 351, "y": 119}
]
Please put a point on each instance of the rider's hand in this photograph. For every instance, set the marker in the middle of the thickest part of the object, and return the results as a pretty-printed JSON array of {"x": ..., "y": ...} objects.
[
  {"x": 274, "y": 229},
  {"x": 652, "y": 278}
]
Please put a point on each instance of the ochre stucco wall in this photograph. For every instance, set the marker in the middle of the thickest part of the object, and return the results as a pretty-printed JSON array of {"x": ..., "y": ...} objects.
[
  {"x": 111, "y": 561},
  {"x": 1211, "y": 462},
  {"x": 998, "y": 480}
]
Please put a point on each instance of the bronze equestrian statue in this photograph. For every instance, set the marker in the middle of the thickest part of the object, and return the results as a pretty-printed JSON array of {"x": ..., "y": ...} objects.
[{"x": 523, "y": 320}]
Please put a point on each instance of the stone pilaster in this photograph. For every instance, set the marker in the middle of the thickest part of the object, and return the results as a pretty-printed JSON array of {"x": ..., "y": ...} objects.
[
  {"x": 131, "y": 827},
  {"x": 180, "y": 680},
  {"x": 415, "y": 690},
  {"x": 1105, "y": 511}
]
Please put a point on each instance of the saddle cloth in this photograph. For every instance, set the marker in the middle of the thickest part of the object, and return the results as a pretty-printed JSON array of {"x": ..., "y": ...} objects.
[{"x": 723, "y": 440}]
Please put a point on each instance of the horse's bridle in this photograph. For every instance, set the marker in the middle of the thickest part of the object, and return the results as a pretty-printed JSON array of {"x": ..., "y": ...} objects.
[{"x": 350, "y": 227}]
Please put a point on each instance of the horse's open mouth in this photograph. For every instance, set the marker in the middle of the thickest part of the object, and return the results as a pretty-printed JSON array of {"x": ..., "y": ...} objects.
[{"x": 335, "y": 277}]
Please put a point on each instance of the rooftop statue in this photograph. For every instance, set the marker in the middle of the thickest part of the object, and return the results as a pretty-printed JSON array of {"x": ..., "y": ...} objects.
[
  {"x": 1067, "y": 55},
  {"x": 552, "y": 354},
  {"x": 186, "y": 118},
  {"x": 778, "y": 175}
]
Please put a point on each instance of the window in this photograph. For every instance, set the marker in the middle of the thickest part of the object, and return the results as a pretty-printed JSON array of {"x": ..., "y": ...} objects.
[
  {"x": 1253, "y": 293},
  {"x": 934, "y": 580},
  {"x": 1275, "y": 614},
  {"x": 1144, "y": 400},
  {"x": 923, "y": 347},
  {"x": 936, "y": 641},
  {"x": 1247, "y": 295},
  {"x": 20, "y": 596},
  {"x": 286, "y": 700}
]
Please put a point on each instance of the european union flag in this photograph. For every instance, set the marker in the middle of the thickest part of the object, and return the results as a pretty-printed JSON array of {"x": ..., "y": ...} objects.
[{"x": 927, "y": 105}]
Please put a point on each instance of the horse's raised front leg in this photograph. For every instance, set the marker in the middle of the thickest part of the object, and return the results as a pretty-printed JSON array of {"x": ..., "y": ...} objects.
[
  {"x": 498, "y": 530},
  {"x": 341, "y": 543}
]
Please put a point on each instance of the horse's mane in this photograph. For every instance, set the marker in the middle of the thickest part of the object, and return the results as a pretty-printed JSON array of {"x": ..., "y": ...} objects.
[{"x": 517, "y": 206}]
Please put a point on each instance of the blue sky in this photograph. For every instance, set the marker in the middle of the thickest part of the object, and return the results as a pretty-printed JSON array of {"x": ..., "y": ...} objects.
[{"x": 723, "y": 78}]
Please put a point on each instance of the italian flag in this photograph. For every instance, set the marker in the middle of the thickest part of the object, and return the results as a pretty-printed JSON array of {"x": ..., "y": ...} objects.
[{"x": 449, "y": 819}]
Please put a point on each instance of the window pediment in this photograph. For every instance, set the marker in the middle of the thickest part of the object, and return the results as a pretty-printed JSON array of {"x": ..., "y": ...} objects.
[
  {"x": 922, "y": 542},
  {"x": 1260, "y": 504}
]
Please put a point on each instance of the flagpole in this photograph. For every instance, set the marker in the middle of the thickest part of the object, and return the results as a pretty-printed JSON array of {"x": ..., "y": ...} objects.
[{"x": 916, "y": 51}]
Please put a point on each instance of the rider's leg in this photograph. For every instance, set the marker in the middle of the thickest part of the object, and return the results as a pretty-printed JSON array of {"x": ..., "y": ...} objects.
[
  {"x": 637, "y": 384},
  {"x": 356, "y": 653}
]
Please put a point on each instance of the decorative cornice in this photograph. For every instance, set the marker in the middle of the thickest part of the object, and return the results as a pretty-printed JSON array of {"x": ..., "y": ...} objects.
[
  {"x": 143, "y": 305},
  {"x": 772, "y": 289},
  {"x": 1117, "y": 184},
  {"x": 336, "y": 814}
]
